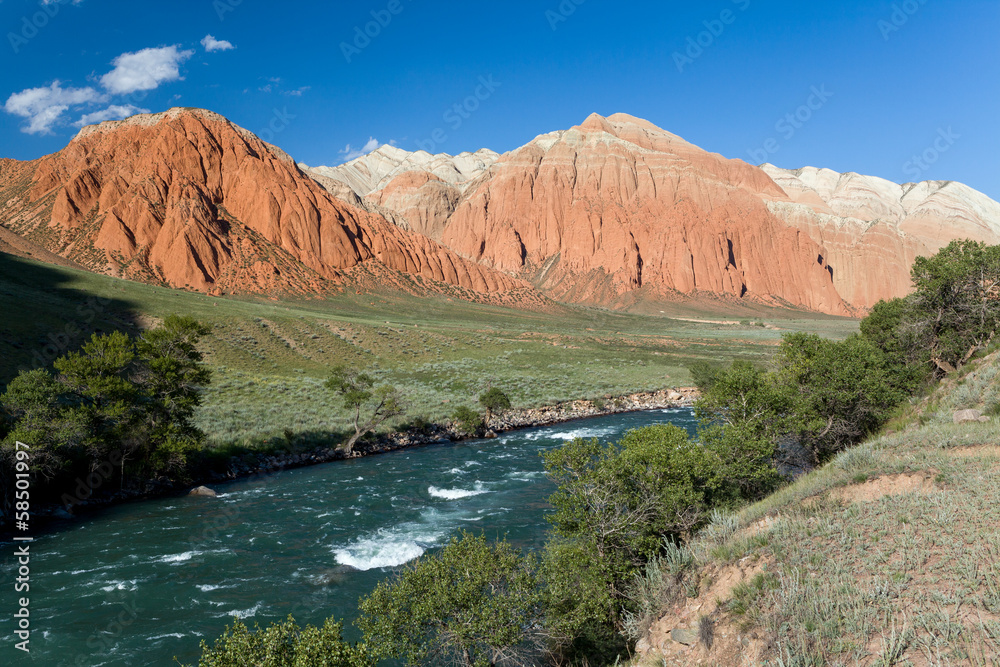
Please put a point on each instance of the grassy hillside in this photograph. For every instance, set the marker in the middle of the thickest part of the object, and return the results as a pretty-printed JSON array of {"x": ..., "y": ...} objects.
[
  {"x": 888, "y": 555},
  {"x": 271, "y": 357}
]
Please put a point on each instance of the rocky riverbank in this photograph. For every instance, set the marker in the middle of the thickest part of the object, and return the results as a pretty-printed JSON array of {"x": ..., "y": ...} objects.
[{"x": 430, "y": 434}]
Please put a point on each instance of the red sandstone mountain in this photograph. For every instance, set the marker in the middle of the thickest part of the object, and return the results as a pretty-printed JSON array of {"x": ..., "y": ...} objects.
[
  {"x": 610, "y": 212},
  {"x": 188, "y": 199},
  {"x": 617, "y": 209}
]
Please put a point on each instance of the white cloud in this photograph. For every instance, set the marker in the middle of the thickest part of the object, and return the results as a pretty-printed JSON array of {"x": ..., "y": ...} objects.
[
  {"x": 113, "y": 112},
  {"x": 298, "y": 91},
  {"x": 45, "y": 106},
  {"x": 212, "y": 44},
  {"x": 144, "y": 70},
  {"x": 350, "y": 153}
]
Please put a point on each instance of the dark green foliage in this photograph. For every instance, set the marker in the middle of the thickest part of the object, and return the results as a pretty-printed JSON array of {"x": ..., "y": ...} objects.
[
  {"x": 283, "y": 645},
  {"x": 494, "y": 400},
  {"x": 952, "y": 314},
  {"x": 467, "y": 420},
  {"x": 703, "y": 374},
  {"x": 472, "y": 604},
  {"x": 370, "y": 405},
  {"x": 846, "y": 390},
  {"x": 613, "y": 505},
  {"x": 117, "y": 409}
]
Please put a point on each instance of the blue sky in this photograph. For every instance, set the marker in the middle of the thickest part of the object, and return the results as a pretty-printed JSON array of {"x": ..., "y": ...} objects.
[{"x": 853, "y": 86}]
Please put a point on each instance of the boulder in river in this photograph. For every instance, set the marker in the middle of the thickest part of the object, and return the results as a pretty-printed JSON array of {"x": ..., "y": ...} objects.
[{"x": 202, "y": 491}]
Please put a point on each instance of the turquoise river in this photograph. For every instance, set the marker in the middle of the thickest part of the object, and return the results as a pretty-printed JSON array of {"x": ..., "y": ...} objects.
[{"x": 144, "y": 582}]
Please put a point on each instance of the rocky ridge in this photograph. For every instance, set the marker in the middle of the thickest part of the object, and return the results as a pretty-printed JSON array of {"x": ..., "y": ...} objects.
[{"x": 188, "y": 199}]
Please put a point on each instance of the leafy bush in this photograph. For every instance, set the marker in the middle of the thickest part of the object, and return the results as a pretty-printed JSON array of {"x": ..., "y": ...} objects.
[
  {"x": 120, "y": 407},
  {"x": 283, "y": 645},
  {"x": 473, "y": 603},
  {"x": 467, "y": 421},
  {"x": 494, "y": 400}
]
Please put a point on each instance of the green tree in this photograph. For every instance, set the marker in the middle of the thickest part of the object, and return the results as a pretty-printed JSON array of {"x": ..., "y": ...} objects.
[
  {"x": 846, "y": 390},
  {"x": 467, "y": 421},
  {"x": 612, "y": 507},
  {"x": 956, "y": 302},
  {"x": 473, "y": 603},
  {"x": 370, "y": 405},
  {"x": 284, "y": 645},
  {"x": 749, "y": 397},
  {"x": 494, "y": 400}
]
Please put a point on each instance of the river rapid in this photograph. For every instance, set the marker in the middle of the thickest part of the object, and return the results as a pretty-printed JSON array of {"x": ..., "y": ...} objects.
[{"x": 141, "y": 583}]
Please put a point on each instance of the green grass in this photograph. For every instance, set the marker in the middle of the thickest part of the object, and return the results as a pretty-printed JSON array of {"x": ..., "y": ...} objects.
[
  {"x": 270, "y": 357},
  {"x": 911, "y": 577}
]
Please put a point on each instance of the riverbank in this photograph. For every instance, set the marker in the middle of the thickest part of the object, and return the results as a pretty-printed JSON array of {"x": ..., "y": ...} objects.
[{"x": 83, "y": 500}]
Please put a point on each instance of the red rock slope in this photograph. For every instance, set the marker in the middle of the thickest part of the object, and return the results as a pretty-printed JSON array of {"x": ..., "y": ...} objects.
[
  {"x": 617, "y": 205},
  {"x": 188, "y": 199}
]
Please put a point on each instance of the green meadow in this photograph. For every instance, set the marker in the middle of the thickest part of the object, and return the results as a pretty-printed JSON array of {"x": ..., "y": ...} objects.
[{"x": 270, "y": 357}]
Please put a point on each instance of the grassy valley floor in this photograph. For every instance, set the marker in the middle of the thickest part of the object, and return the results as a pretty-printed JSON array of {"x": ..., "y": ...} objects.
[{"x": 270, "y": 358}]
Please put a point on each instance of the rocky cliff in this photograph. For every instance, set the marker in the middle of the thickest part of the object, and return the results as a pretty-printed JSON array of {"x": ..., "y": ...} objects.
[
  {"x": 617, "y": 206},
  {"x": 873, "y": 229},
  {"x": 188, "y": 199}
]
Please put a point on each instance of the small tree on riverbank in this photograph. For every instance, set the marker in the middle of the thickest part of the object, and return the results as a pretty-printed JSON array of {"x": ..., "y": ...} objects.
[
  {"x": 494, "y": 400},
  {"x": 370, "y": 405}
]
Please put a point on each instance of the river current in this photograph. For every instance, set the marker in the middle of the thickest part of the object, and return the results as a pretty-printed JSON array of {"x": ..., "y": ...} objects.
[{"x": 143, "y": 582}]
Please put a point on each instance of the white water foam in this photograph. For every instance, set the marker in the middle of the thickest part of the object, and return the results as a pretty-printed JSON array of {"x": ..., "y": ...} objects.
[
  {"x": 566, "y": 436},
  {"x": 243, "y": 614},
  {"x": 178, "y": 558},
  {"x": 204, "y": 588},
  {"x": 456, "y": 494},
  {"x": 120, "y": 586},
  {"x": 382, "y": 550}
]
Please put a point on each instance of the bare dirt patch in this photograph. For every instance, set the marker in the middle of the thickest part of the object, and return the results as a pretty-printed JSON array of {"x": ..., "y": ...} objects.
[
  {"x": 729, "y": 647},
  {"x": 976, "y": 451},
  {"x": 888, "y": 485}
]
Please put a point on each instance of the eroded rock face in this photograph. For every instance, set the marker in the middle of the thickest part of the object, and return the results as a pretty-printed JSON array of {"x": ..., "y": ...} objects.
[
  {"x": 617, "y": 205},
  {"x": 873, "y": 229},
  {"x": 188, "y": 199}
]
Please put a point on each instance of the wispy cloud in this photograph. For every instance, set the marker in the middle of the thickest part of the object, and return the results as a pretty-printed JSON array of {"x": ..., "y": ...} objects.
[
  {"x": 45, "y": 106},
  {"x": 145, "y": 69},
  {"x": 113, "y": 112},
  {"x": 350, "y": 153},
  {"x": 212, "y": 44},
  {"x": 298, "y": 92}
]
